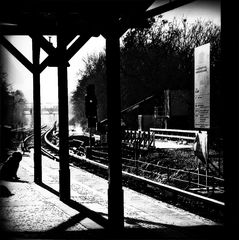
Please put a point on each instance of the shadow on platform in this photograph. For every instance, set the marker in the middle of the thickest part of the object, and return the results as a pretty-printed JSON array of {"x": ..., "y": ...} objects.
[
  {"x": 86, "y": 212},
  {"x": 167, "y": 232}
]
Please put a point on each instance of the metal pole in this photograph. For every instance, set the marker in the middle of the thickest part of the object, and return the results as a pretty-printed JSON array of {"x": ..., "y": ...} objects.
[
  {"x": 198, "y": 163},
  {"x": 64, "y": 172},
  {"x": 115, "y": 191},
  {"x": 206, "y": 176},
  {"x": 90, "y": 137},
  {"x": 207, "y": 155},
  {"x": 37, "y": 110}
]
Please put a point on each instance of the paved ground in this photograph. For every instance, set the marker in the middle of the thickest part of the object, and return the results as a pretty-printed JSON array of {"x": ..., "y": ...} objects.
[{"x": 34, "y": 212}]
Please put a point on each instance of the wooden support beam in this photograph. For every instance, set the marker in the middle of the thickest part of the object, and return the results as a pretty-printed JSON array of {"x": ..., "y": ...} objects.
[
  {"x": 70, "y": 52},
  {"x": 64, "y": 172},
  {"x": 78, "y": 44},
  {"x": 115, "y": 191},
  {"x": 47, "y": 46},
  {"x": 37, "y": 109},
  {"x": 17, "y": 54}
]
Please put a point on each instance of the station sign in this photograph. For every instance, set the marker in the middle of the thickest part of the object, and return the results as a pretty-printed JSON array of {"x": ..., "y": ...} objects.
[{"x": 202, "y": 86}]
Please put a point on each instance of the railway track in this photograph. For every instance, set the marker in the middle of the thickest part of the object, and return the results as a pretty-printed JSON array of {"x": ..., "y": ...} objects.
[
  {"x": 28, "y": 141},
  {"x": 194, "y": 202}
]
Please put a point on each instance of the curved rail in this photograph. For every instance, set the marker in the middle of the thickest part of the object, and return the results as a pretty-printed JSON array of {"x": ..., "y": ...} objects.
[
  {"x": 55, "y": 148},
  {"x": 25, "y": 145}
]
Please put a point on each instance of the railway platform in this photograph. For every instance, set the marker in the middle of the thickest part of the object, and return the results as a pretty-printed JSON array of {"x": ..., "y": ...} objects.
[{"x": 34, "y": 212}]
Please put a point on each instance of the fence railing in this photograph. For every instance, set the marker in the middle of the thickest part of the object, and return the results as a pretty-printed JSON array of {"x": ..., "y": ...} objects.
[
  {"x": 187, "y": 178},
  {"x": 140, "y": 139},
  {"x": 189, "y": 135}
]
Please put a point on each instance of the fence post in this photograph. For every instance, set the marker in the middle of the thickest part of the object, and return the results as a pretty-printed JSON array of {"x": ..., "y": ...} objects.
[
  {"x": 198, "y": 163},
  {"x": 136, "y": 167},
  {"x": 88, "y": 152},
  {"x": 136, "y": 149},
  {"x": 213, "y": 184},
  {"x": 168, "y": 173},
  {"x": 189, "y": 178}
]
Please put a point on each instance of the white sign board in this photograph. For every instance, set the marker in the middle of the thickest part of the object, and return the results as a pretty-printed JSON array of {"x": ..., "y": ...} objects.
[{"x": 202, "y": 87}]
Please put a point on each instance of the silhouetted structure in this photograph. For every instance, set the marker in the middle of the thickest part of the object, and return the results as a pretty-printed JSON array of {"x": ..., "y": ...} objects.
[{"x": 85, "y": 19}]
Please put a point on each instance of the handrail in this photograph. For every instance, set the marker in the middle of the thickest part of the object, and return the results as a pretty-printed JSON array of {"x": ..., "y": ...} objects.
[
  {"x": 174, "y": 130},
  {"x": 189, "y": 135}
]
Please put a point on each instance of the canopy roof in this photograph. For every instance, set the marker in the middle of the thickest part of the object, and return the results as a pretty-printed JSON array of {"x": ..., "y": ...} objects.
[{"x": 78, "y": 16}]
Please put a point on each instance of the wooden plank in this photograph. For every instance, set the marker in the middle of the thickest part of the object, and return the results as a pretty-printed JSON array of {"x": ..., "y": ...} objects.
[
  {"x": 173, "y": 130},
  {"x": 17, "y": 54},
  {"x": 174, "y": 136}
]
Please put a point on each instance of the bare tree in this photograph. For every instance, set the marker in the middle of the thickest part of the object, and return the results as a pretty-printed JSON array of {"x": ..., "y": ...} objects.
[{"x": 153, "y": 59}]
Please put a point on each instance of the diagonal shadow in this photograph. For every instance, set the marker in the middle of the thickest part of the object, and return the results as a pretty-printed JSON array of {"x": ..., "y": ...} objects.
[
  {"x": 5, "y": 192},
  {"x": 94, "y": 216},
  {"x": 161, "y": 230},
  {"x": 218, "y": 227},
  {"x": 201, "y": 232},
  {"x": 69, "y": 223},
  {"x": 48, "y": 188},
  {"x": 16, "y": 180}
]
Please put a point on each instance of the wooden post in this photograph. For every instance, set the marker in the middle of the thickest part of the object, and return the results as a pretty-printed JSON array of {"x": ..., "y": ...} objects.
[
  {"x": 207, "y": 157},
  {"x": 37, "y": 110},
  {"x": 90, "y": 143},
  {"x": 198, "y": 163},
  {"x": 168, "y": 174},
  {"x": 115, "y": 191},
  {"x": 64, "y": 172},
  {"x": 189, "y": 178}
]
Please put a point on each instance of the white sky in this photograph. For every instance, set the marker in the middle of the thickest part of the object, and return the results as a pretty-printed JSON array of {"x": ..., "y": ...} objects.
[{"x": 21, "y": 79}]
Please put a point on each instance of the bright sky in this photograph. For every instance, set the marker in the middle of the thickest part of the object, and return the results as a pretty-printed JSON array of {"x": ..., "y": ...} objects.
[{"x": 21, "y": 79}]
